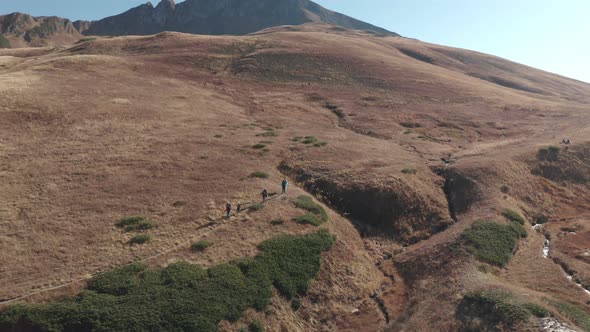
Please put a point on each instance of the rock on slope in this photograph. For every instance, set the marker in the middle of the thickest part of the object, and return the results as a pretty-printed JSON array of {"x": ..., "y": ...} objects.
[{"x": 215, "y": 17}]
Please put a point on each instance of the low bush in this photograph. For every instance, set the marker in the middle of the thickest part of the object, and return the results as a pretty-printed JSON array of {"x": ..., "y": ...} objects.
[
  {"x": 320, "y": 144},
  {"x": 297, "y": 139},
  {"x": 513, "y": 216},
  {"x": 270, "y": 132},
  {"x": 259, "y": 175},
  {"x": 258, "y": 146},
  {"x": 410, "y": 125},
  {"x": 256, "y": 326},
  {"x": 296, "y": 304},
  {"x": 505, "y": 189},
  {"x": 498, "y": 306},
  {"x": 306, "y": 203},
  {"x": 309, "y": 140},
  {"x": 256, "y": 207},
  {"x": 550, "y": 153},
  {"x": 132, "y": 224},
  {"x": 218, "y": 136},
  {"x": 140, "y": 239},
  {"x": 277, "y": 222},
  {"x": 494, "y": 243},
  {"x": 308, "y": 219},
  {"x": 182, "y": 296},
  {"x": 409, "y": 171},
  {"x": 575, "y": 313},
  {"x": 201, "y": 245}
]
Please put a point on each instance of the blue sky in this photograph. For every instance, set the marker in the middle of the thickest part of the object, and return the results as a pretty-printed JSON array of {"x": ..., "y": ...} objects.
[{"x": 547, "y": 34}]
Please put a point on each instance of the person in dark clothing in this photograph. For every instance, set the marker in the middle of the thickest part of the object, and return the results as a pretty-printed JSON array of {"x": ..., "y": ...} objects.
[
  {"x": 284, "y": 184},
  {"x": 228, "y": 209},
  {"x": 264, "y": 194}
]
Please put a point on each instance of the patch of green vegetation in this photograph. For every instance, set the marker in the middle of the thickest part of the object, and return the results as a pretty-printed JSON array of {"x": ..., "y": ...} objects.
[
  {"x": 537, "y": 310},
  {"x": 201, "y": 245},
  {"x": 259, "y": 175},
  {"x": 500, "y": 306},
  {"x": 309, "y": 140},
  {"x": 513, "y": 216},
  {"x": 87, "y": 39},
  {"x": 494, "y": 243},
  {"x": 320, "y": 144},
  {"x": 550, "y": 153},
  {"x": 269, "y": 132},
  {"x": 258, "y": 146},
  {"x": 256, "y": 326},
  {"x": 306, "y": 203},
  {"x": 182, "y": 296},
  {"x": 277, "y": 222},
  {"x": 256, "y": 207},
  {"x": 140, "y": 239},
  {"x": 575, "y": 313},
  {"x": 296, "y": 304},
  {"x": 407, "y": 132},
  {"x": 4, "y": 43},
  {"x": 409, "y": 171},
  {"x": 297, "y": 139},
  {"x": 132, "y": 224},
  {"x": 308, "y": 219},
  {"x": 266, "y": 150}
]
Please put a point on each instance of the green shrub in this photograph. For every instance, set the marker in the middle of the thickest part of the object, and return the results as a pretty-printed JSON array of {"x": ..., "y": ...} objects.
[
  {"x": 309, "y": 140},
  {"x": 306, "y": 203},
  {"x": 575, "y": 313},
  {"x": 256, "y": 207},
  {"x": 259, "y": 175},
  {"x": 296, "y": 304},
  {"x": 258, "y": 146},
  {"x": 494, "y": 243},
  {"x": 270, "y": 132},
  {"x": 513, "y": 216},
  {"x": 132, "y": 224},
  {"x": 320, "y": 144},
  {"x": 4, "y": 43},
  {"x": 140, "y": 239},
  {"x": 537, "y": 310},
  {"x": 277, "y": 222},
  {"x": 308, "y": 219},
  {"x": 201, "y": 245},
  {"x": 256, "y": 326},
  {"x": 496, "y": 305},
  {"x": 550, "y": 153},
  {"x": 297, "y": 139},
  {"x": 407, "y": 132},
  {"x": 182, "y": 296},
  {"x": 409, "y": 171}
]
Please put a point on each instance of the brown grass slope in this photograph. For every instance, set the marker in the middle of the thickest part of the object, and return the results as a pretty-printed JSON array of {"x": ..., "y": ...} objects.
[{"x": 128, "y": 126}]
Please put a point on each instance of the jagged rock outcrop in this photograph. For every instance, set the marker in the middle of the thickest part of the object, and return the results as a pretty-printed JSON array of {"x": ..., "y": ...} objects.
[{"x": 25, "y": 30}]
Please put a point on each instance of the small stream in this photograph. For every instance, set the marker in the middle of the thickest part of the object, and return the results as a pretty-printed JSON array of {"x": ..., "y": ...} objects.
[{"x": 546, "y": 247}]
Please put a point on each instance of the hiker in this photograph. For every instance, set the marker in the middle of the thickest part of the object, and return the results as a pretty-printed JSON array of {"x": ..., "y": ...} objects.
[
  {"x": 284, "y": 184},
  {"x": 228, "y": 209},
  {"x": 264, "y": 194},
  {"x": 239, "y": 208}
]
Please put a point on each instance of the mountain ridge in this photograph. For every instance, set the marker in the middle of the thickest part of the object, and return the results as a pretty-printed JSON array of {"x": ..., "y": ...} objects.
[{"x": 226, "y": 17}]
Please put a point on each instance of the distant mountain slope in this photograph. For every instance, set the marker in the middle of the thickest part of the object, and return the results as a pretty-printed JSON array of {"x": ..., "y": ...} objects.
[
  {"x": 26, "y": 30},
  {"x": 214, "y": 17}
]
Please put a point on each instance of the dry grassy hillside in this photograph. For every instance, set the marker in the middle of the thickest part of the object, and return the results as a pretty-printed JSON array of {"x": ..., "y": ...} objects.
[{"x": 407, "y": 144}]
